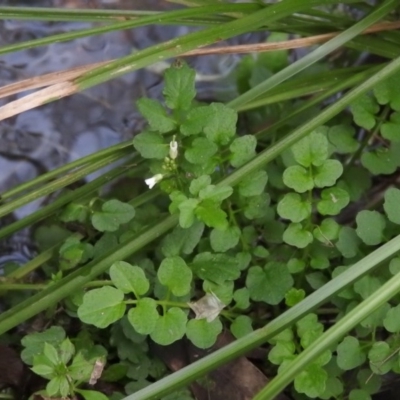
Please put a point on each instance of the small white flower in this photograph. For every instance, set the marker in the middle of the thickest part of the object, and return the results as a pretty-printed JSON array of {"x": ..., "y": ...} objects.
[
  {"x": 150, "y": 182},
  {"x": 208, "y": 307},
  {"x": 173, "y": 149}
]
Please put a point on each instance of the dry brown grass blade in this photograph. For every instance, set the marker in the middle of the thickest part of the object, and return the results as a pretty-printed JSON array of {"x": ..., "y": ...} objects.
[{"x": 61, "y": 84}]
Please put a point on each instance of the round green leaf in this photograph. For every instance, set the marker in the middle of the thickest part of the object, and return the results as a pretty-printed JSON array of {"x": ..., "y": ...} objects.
[
  {"x": 327, "y": 173},
  {"x": 200, "y": 151},
  {"x": 243, "y": 150},
  {"x": 222, "y": 125},
  {"x": 151, "y": 145},
  {"x": 380, "y": 359},
  {"x": 392, "y": 320},
  {"x": 364, "y": 109},
  {"x": 370, "y": 226},
  {"x": 211, "y": 214},
  {"x": 241, "y": 326},
  {"x": 101, "y": 307},
  {"x": 327, "y": 231},
  {"x": 187, "y": 212},
  {"x": 113, "y": 213},
  {"x": 297, "y": 236},
  {"x": 350, "y": 355},
  {"x": 391, "y": 130},
  {"x": 199, "y": 183},
  {"x": 155, "y": 115},
  {"x": 223, "y": 240},
  {"x": 144, "y": 316},
  {"x": 333, "y": 200},
  {"x": 311, "y": 381},
  {"x": 254, "y": 184},
  {"x": 311, "y": 150},
  {"x": 203, "y": 334},
  {"x": 298, "y": 178},
  {"x": 129, "y": 278},
  {"x": 294, "y": 208},
  {"x": 342, "y": 137},
  {"x": 391, "y": 205},
  {"x": 176, "y": 275},
  {"x": 215, "y": 193},
  {"x": 170, "y": 327},
  {"x": 269, "y": 284}
]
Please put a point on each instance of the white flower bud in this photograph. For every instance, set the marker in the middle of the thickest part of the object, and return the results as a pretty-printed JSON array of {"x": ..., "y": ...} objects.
[
  {"x": 150, "y": 182},
  {"x": 173, "y": 149}
]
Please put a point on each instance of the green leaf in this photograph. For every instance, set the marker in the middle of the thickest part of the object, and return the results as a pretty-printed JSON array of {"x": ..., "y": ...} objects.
[
  {"x": 73, "y": 252},
  {"x": 200, "y": 151},
  {"x": 381, "y": 161},
  {"x": 295, "y": 265},
  {"x": 46, "y": 371},
  {"x": 394, "y": 266},
  {"x": 355, "y": 180},
  {"x": 333, "y": 200},
  {"x": 223, "y": 240},
  {"x": 348, "y": 242},
  {"x": 242, "y": 298},
  {"x": 176, "y": 275},
  {"x": 366, "y": 286},
  {"x": 155, "y": 115},
  {"x": 254, "y": 184},
  {"x": 311, "y": 150},
  {"x": 369, "y": 382},
  {"x": 221, "y": 126},
  {"x": 34, "y": 342},
  {"x": 379, "y": 358},
  {"x": 388, "y": 92},
  {"x": 241, "y": 326},
  {"x": 364, "y": 109},
  {"x": 283, "y": 350},
  {"x": 58, "y": 386},
  {"x": 327, "y": 231},
  {"x": 182, "y": 240},
  {"x": 311, "y": 381},
  {"x": 327, "y": 173},
  {"x": 390, "y": 130},
  {"x": 203, "y": 334},
  {"x": 359, "y": 394},
  {"x": 91, "y": 394},
  {"x": 151, "y": 145},
  {"x": 196, "y": 120},
  {"x": 144, "y": 316},
  {"x": 80, "y": 368},
  {"x": 187, "y": 212},
  {"x": 67, "y": 350},
  {"x": 294, "y": 296},
  {"x": 269, "y": 284},
  {"x": 392, "y": 320},
  {"x": 370, "y": 226},
  {"x": 113, "y": 213},
  {"x": 215, "y": 193},
  {"x": 243, "y": 149},
  {"x": 298, "y": 178},
  {"x": 296, "y": 235},
  {"x": 342, "y": 137},
  {"x": 257, "y": 206},
  {"x": 170, "y": 327},
  {"x": 179, "y": 86},
  {"x": 129, "y": 278},
  {"x": 391, "y": 205},
  {"x": 350, "y": 355},
  {"x": 50, "y": 352},
  {"x": 74, "y": 212},
  {"x": 101, "y": 307},
  {"x": 199, "y": 183},
  {"x": 216, "y": 268},
  {"x": 294, "y": 208},
  {"x": 211, "y": 214}
]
